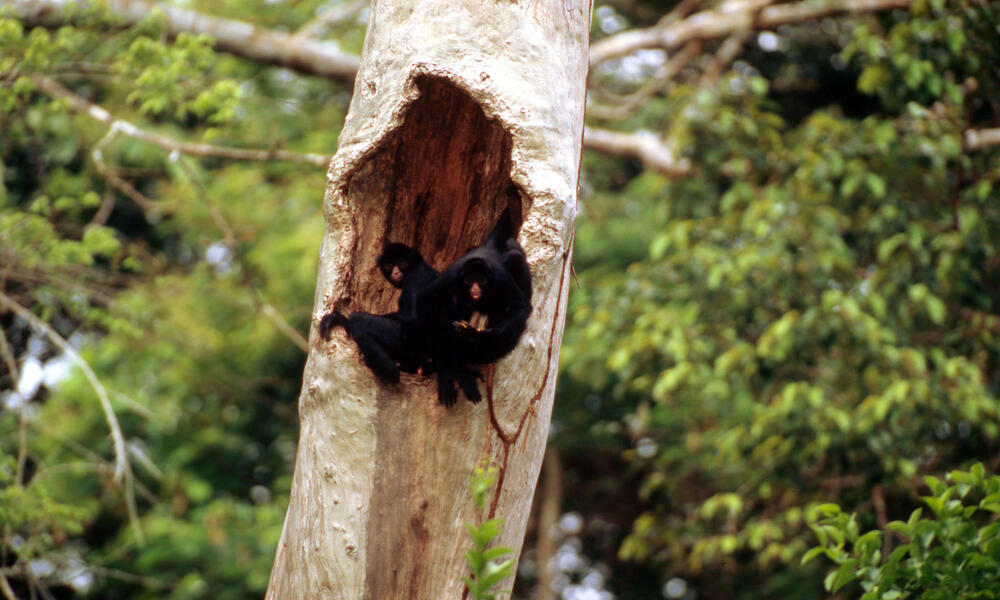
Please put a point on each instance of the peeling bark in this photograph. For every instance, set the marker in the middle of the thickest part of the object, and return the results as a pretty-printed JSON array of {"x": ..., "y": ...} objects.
[{"x": 460, "y": 110}]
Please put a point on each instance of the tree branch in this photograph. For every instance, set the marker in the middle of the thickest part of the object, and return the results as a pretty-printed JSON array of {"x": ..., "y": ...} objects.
[
  {"x": 22, "y": 429},
  {"x": 548, "y": 517},
  {"x": 977, "y": 139},
  {"x": 331, "y": 18},
  {"x": 631, "y": 103},
  {"x": 236, "y": 37},
  {"x": 229, "y": 239},
  {"x": 123, "y": 469},
  {"x": 302, "y": 54},
  {"x": 649, "y": 149},
  {"x": 282, "y": 324},
  {"x": 113, "y": 178},
  {"x": 56, "y": 89},
  {"x": 8, "y": 592},
  {"x": 727, "y": 19},
  {"x": 121, "y": 459},
  {"x": 726, "y": 53}
]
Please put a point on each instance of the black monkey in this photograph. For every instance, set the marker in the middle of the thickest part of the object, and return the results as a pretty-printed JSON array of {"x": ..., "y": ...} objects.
[
  {"x": 390, "y": 343},
  {"x": 492, "y": 280}
]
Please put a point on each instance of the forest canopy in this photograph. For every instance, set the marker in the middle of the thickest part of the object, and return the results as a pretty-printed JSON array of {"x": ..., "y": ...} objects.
[{"x": 783, "y": 339}]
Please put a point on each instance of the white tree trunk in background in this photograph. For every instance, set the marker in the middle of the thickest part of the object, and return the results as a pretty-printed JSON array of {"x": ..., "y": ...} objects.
[{"x": 460, "y": 110}]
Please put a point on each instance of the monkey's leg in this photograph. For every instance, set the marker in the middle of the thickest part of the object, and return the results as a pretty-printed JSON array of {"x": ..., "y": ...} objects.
[
  {"x": 379, "y": 340},
  {"x": 467, "y": 381},
  {"x": 446, "y": 388}
]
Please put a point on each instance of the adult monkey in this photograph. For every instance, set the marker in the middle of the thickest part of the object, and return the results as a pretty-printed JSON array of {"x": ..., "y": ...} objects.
[
  {"x": 390, "y": 343},
  {"x": 493, "y": 281}
]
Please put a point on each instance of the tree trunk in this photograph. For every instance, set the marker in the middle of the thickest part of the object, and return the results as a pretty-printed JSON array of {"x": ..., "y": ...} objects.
[
  {"x": 548, "y": 517},
  {"x": 460, "y": 109}
]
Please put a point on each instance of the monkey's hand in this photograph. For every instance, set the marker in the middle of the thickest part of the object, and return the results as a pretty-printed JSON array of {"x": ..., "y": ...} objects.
[
  {"x": 427, "y": 369},
  {"x": 463, "y": 327}
]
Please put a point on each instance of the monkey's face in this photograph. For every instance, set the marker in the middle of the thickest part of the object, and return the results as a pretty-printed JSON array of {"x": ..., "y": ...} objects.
[
  {"x": 475, "y": 291},
  {"x": 398, "y": 270},
  {"x": 396, "y": 261},
  {"x": 475, "y": 281},
  {"x": 394, "y": 270}
]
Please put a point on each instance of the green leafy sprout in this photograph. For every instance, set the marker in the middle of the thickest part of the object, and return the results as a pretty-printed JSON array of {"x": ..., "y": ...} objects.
[{"x": 482, "y": 560}]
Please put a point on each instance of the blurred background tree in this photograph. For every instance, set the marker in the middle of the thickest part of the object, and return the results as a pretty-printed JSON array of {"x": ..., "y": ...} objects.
[{"x": 788, "y": 259}]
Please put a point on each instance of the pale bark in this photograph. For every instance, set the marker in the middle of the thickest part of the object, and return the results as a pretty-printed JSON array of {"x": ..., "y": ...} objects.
[
  {"x": 978, "y": 139},
  {"x": 460, "y": 109},
  {"x": 647, "y": 147}
]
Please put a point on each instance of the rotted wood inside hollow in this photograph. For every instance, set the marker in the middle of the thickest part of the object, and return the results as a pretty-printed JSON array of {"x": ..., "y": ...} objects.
[{"x": 439, "y": 183}]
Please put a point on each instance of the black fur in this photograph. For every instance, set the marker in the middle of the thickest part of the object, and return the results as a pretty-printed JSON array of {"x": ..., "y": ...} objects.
[
  {"x": 444, "y": 309},
  {"x": 390, "y": 343}
]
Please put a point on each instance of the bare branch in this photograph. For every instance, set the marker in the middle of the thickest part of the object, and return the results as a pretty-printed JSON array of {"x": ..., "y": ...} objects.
[
  {"x": 331, "y": 18},
  {"x": 117, "y": 182},
  {"x": 236, "y": 37},
  {"x": 22, "y": 429},
  {"x": 977, "y": 139},
  {"x": 104, "y": 212},
  {"x": 8, "y": 592},
  {"x": 56, "y": 89},
  {"x": 647, "y": 148},
  {"x": 727, "y": 19},
  {"x": 229, "y": 238},
  {"x": 123, "y": 469},
  {"x": 8, "y": 358},
  {"x": 726, "y": 53},
  {"x": 685, "y": 8},
  {"x": 302, "y": 54},
  {"x": 633, "y": 102},
  {"x": 282, "y": 324},
  {"x": 121, "y": 458}
]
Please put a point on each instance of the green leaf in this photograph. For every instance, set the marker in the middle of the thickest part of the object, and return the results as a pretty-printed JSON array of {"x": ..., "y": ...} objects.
[
  {"x": 844, "y": 575},
  {"x": 496, "y": 552},
  {"x": 497, "y": 572},
  {"x": 811, "y": 554}
]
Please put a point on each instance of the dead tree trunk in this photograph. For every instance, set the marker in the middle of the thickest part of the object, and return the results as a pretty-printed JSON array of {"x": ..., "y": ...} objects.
[{"x": 460, "y": 110}]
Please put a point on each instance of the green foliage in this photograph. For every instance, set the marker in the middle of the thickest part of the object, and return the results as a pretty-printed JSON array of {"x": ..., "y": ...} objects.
[
  {"x": 929, "y": 56},
  {"x": 165, "y": 299},
  {"x": 811, "y": 316},
  {"x": 487, "y": 572},
  {"x": 163, "y": 85},
  {"x": 952, "y": 553},
  {"x": 37, "y": 512},
  {"x": 814, "y": 313}
]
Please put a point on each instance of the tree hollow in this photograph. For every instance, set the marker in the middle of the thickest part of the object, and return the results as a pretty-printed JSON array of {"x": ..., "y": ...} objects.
[{"x": 438, "y": 183}]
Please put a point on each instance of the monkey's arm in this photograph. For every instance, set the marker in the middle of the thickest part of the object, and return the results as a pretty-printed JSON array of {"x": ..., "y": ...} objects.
[
  {"x": 517, "y": 265},
  {"x": 508, "y": 321}
]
